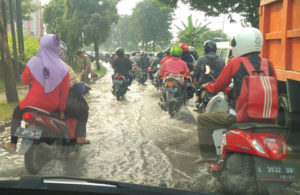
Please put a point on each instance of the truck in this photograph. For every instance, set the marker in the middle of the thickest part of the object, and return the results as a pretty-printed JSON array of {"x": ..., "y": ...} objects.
[{"x": 280, "y": 26}]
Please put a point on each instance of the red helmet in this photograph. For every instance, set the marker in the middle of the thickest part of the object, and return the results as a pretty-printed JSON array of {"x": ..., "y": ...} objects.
[{"x": 184, "y": 46}]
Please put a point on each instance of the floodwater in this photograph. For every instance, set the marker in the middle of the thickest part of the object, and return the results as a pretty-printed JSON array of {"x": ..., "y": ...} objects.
[{"x": 133, "y": 141}]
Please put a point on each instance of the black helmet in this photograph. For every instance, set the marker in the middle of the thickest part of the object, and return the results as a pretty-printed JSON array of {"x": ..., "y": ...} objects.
[
  {"x": 167, "y": 51},
  {"x": 209, "y": 46},
  {"x": 120, "y": 52}
]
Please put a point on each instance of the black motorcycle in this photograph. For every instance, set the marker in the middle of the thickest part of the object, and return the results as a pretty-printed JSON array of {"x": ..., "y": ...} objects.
[
  {"x": 119, "y": 87},
  {"x": 173, "y": 98},
  {"x": 141, "y": 76}
]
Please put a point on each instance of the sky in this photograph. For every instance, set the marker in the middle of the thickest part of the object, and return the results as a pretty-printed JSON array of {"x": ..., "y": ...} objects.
[{"x": 125, "y": 7}]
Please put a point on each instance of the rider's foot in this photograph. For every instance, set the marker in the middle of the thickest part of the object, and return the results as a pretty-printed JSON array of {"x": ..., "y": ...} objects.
[
  {"x": 82, "y": 140},
  {"x": 206, "y": 159},
  {"x": 9, "y": 147}
]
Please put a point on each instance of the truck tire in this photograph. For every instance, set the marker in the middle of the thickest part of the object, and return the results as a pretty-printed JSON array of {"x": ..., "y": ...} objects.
[{"x": 283, "y": 118}]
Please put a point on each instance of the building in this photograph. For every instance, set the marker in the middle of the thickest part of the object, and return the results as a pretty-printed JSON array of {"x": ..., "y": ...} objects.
[{"x": 34, "y": 27}]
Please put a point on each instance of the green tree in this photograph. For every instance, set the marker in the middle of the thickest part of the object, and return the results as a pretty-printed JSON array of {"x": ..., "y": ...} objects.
[
  {"x": 152, "y": 23},
  {"x": 247, "y": 8},
  {"x": 80, "y": 22},
  {"x": 196, "y": 34},
  {"x": 6, "y": 62}
]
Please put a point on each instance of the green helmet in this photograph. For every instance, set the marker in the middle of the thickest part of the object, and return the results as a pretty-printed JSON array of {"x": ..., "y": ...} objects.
[{"x": 176, "y": 51}]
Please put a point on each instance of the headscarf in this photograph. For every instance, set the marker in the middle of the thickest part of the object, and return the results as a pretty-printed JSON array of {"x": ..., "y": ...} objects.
[{"x": 47, "y": 67}]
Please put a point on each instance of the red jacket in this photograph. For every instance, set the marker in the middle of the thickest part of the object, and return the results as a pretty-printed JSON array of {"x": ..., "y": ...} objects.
[
  {"x": 173, "y": 65},
  {"x": 229, "y": 71},
  {"x": 55, "y": 100}
]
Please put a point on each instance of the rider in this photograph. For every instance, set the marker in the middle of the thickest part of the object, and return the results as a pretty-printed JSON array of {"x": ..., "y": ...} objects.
[
  {"x": 122, "y": 65},
  {"x": 49, "y": 78},
  {"x": 174, "y": 65},
  {"x": 143, "y": 62},
  {"x": 246, "y": 43},
  {"x": 167, "y": 55},
  {"x": 215, "y": 63},
  {"x": 155, "y": 64},
  {"x": 76, "y": 106},
  {"x": 187, "y": 56}
]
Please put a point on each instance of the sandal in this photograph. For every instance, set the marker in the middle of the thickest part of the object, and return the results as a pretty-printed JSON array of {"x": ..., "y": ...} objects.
[
  {"x": 206, "y": 159},
  {"x": 82, "y": 140},
  {"x": 9, "y": 147}
]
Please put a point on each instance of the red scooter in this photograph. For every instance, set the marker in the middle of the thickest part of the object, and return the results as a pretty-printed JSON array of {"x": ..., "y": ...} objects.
[
  {"x": 45, "y": 137},
  {"x": 250, "y": 155}
]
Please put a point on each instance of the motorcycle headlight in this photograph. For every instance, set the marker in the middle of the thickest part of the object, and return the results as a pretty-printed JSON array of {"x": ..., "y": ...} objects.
[{"x": 258, "y": 147}]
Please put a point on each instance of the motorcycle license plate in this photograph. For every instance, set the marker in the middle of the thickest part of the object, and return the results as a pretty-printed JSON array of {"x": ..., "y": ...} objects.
[
  {"x": 267, "y": 170},
  {"x": 29, "y": 133}
]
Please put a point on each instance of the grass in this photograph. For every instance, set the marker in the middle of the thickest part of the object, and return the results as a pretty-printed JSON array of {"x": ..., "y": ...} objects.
[
  {"x": 100, "y": 72},
  {"x": 6, "y": 110}
]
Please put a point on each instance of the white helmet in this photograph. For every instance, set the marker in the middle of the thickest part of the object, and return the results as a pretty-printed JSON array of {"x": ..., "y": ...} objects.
[{"x": 246, "y": 41}]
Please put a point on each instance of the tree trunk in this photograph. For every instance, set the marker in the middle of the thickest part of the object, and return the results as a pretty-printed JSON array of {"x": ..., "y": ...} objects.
[
  {"x": 20, "y": 29},
  {"x": 13, "y": 34},
  {"x": 96, "y": 48},
  {"x": 9, "y": 77}
]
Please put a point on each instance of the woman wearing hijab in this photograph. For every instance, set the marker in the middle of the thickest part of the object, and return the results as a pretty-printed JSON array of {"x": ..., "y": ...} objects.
[{"x": 49, "y": 79}]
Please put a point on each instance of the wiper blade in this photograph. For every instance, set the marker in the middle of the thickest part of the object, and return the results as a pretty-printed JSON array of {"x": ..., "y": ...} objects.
[{"x": 79, "y": 181}]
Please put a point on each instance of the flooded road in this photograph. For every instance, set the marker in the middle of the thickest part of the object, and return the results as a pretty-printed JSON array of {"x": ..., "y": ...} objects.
[{"x": 132, "y": 141}]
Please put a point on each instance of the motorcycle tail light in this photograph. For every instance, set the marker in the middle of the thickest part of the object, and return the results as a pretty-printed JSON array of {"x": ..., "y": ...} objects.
[
  {"x": 170, "y": 84},
  {"x": 27, "y": 116},
  {"x": 186, "y": 76},
  {"x": 136, "y": 67},
  {"x": 118, "y": 77},
  {"x": 277, "y": 147},
  {"x": 150, "y": 68}
]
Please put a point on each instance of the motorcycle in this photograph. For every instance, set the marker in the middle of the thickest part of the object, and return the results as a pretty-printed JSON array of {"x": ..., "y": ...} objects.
[
  {"x": 141, "y": 76},
  {"x": 250, "y": 155},
  {"x": 44, "y": 138},
  {"x": 152, "y": 70},
  {"x": 188, "y": 89},
  {"x": 119, "y": 87},
  {"x": 173, "y": 98}
]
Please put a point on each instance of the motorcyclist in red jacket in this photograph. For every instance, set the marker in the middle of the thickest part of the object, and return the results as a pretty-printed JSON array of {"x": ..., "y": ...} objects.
[{"x": 247, "y": 43}]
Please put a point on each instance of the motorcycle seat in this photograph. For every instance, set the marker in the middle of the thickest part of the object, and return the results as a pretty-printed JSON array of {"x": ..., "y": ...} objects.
[{"x": 256, "y": 127}]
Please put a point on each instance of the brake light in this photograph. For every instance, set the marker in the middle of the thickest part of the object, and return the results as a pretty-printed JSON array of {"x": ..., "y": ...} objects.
[
  {"x": 170, "y": 83},
  {"x": 276, "y": 146},
  {"x": 118, "y": 77},
  {"x": 136, "y": 67},
  {"x": 27, "y": 116},
  {"x": 149, "y": 69},
  {"x": 186, "y": 76}
]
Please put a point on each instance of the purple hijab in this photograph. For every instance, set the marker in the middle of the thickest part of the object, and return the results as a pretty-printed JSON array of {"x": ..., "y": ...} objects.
[{"x": 47, "y": 67}]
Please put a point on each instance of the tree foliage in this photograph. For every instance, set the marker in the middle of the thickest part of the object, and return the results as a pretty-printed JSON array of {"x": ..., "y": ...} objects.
[
  {"x": 196, "y": 34},
  {"x": 147, "y": 27},
  {"x": 247, "y": 8},
  {"x": 80, "y": 22}
]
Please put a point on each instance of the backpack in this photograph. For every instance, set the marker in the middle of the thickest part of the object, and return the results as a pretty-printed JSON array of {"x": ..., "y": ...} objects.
[{"x": 258, "y": 99}]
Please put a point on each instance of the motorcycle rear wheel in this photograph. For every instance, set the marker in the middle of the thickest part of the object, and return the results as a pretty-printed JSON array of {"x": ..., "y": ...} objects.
[
  {"x": 238, "y": 175},
  {"x": 33, "y": 160}
]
